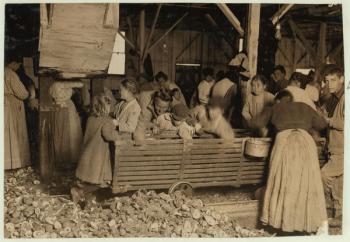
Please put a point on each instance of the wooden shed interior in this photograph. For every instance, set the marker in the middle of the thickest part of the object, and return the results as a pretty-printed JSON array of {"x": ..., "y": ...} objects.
[{"x": 179, "y": 39}]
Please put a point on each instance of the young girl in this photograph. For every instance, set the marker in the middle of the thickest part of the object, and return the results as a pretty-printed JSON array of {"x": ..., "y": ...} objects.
[
  {"x": 257, "y": 99},
  {"x": 94, "y": 168},
  {"x": 127, "y": 112}
]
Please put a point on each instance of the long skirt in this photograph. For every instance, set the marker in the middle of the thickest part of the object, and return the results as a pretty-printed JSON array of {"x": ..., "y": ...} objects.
[
  {"x": 68, "y": 136},
  {"x": 17, "y": 153},
  {"x": 294, "y": 198}
]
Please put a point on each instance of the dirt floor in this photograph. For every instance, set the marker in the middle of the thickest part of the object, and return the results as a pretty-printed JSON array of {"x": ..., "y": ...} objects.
[{"x": 33, "y": 209}]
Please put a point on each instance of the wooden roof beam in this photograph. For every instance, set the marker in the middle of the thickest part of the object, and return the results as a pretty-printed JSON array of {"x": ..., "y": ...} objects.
[
  {"x": 167, "y": 32},
  {"x": 303, "y": 40},
  {"x": 152, "y": 32},
  {"x": 128, "y": 42},
  {"x": 231, "y": 18},
  {"x": 217, "y": 28},
  {"x": 280, "y": 13}
]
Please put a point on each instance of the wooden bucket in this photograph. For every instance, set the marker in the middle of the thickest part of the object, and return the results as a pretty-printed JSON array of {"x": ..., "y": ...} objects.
[{"x": 257, "y": 148}]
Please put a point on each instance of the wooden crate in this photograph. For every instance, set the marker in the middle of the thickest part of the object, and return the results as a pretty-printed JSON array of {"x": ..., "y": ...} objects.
[{"x": 204, "y": 162}]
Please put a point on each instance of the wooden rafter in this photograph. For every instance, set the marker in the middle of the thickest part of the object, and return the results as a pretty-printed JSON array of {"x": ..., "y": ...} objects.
[
  {"x": 142, "y": 37},
  {"x": 222, "y": 33},
  {"x": 152, "y": 31},
  {"x": 335, "y": 51},
  {"x": 280, "y": 13},
  {"x": 128, "y": 41},
  {"x": 167, "y": 32},
  {"x": 303, "y": 40},
  {"x": 231, "y": 17},
  {"x": 131, "y": 30}
]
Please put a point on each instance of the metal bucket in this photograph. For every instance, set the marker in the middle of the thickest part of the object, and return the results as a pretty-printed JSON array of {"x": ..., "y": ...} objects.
[{"x": 257, "y": 148}]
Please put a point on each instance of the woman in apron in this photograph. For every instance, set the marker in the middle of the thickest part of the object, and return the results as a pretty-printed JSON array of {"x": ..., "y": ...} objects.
[{"x": 294, "y": 198}]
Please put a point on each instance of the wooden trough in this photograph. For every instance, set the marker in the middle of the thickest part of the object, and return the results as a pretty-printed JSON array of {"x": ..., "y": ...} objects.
[{"x": 172, "y": 163}]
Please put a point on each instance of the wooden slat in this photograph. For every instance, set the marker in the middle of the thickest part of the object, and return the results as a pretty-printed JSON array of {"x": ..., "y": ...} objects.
[
  {"x": 211, "y": 179},
  {"x": 252, "y": 181},
  {"x": 211, "y": 170},
  {"x": 212, "y": 165},
  {"x": 213, "y": 161},
  {"x": 149, "y": 168},
  {"x": 215, "y": 146},
  {"x": 210, "y": 175},
  {"x": 248, "y": 177},
  {"x": 215, "y": 156},
  {"x": 213, "y": 183},
  {"x": 145, "y": 178},
  {"x": 253, "y": 168},
  {"x": 152, "y": 147},
  {"x": 150, "y": 142},
  {"x": 149, "y": 153},
  {"x": 215, "y": 141},
  {"x": 149, "y": 158},
  {"x": 143, "y": 172},
  {"x": 144, "y": 182},
  {"x": 214, "y": 151},
  {"x": 254, "y": 172},
  {"x": 146, "y": 186},
  {"x": 150, "y": 163}
]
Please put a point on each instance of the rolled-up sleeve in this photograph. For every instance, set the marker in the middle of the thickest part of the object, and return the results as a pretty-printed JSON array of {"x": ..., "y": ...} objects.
[
  {"x": 16, "y": 85},
  {"x": 109, "y": 132}
]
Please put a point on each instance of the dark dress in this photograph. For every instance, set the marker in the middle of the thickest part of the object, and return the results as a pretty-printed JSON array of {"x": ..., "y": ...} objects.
[{"x": 294, "y": 198}]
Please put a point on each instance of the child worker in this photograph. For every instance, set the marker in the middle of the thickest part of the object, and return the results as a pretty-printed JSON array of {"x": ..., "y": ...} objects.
[
  {"x": 94, "y": 169},
  {"x": 257, "y": 100},
  {"x": 178, "y": 120},
  {"x": 127, "y": 112}
]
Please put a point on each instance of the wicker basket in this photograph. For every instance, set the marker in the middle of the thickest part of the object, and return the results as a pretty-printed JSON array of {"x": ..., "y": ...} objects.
[{"x": 257, "y": 148}]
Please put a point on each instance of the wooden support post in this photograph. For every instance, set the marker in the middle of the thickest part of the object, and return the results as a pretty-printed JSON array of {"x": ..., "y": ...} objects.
[
  {"x": 46, "y": 148},
  {"x": 167, "y": 32},
  {"x": 231, "y": 17},
  {"x": 303, "y": 40},
  {"x": 253, "y": 37},
  {"x": 144, "y": 50},
  {"x": 279, "y": 14},
  {"x": 323, "y": 42},
  {"x": 142, "y": 37}
]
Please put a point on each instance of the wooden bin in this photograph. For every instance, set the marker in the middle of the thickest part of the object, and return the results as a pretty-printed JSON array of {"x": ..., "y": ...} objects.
[{"x": 160, "y": 163}]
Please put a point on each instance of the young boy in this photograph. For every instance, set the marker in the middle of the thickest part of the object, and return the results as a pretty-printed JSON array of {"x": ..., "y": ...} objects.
[
  {"x": 177, "y": 120},
  {"x": 333, "y": 170},
  {"x": 257, "y": 99}
]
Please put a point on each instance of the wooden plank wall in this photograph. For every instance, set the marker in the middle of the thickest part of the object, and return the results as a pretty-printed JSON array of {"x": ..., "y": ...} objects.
[
  {"x": 203, "y": 50},
  {"x": 291, "y": 51}
]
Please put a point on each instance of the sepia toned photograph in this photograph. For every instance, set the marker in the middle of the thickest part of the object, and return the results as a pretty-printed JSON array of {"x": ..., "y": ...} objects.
[{"x": 173, "y": 120}]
